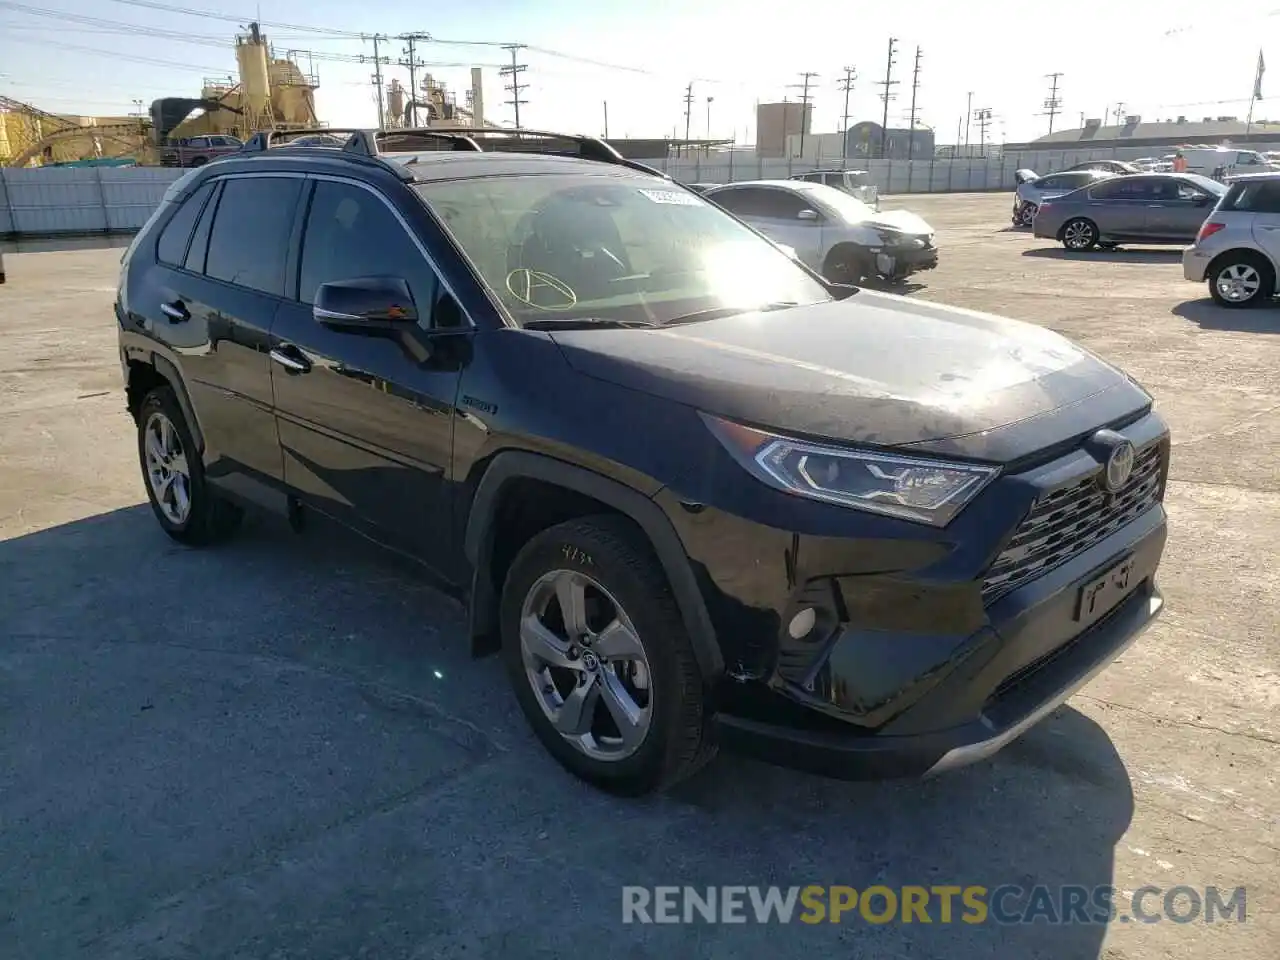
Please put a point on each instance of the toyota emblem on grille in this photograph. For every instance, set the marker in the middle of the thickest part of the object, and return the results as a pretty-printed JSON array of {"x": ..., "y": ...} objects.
[{"x": 1119, "y": 467}]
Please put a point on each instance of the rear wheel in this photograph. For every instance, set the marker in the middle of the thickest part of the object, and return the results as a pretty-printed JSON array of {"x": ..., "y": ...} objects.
[
  {"x": 1080, "y": 234},
  {"x": 1241, "y": 279},
  {"x": 187, "y": 509},
  {"x": 600, "y": 660},
  {"x": 1027, "y": 214}
]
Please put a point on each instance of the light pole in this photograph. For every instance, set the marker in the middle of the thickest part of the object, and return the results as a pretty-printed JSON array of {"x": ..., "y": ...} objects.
[{"x": 709, "y": 102}]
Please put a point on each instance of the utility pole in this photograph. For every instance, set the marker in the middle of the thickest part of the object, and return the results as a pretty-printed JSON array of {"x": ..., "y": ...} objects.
[
  {"x": 983, "y": 116},
  {"x": 413, "y": 63},
  {"x": 378, "y": 61},
  {"x": 1119, "y": 111},
  {"x": 846, "y": 84},
  {"x": 710, "y": 100},
  {"x": 968, "y": 114},
  {"x": 804, "y": 106},
  {"x": 606, "y": 119},
  {"x": 888, "y": 83},
  {"x": 514, "y": 71},
  {"x": 1053, "y": 105},
  {"x": 688, "y": 112},
  {"x": 911, "y": 124}
]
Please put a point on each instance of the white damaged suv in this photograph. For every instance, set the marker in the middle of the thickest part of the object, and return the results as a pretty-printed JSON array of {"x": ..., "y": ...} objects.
[{"x": 833, "y": 233}]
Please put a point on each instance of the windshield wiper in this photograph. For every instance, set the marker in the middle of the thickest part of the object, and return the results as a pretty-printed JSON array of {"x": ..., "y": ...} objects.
[
  {"x": 571, "y": 323},
  {"x": 715, "y": 313}
]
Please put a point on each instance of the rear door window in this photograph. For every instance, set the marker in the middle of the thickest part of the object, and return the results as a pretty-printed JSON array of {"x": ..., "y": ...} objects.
[
  {"x": 176, "y": 235},
  {"x": 1260, "y": 196},
  {"x": 1123, "y": 188},
  {"x": 249, "y": 242}
]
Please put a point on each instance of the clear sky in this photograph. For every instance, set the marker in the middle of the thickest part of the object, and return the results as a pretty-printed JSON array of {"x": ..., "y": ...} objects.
[{"x": 1159, "y": 58}]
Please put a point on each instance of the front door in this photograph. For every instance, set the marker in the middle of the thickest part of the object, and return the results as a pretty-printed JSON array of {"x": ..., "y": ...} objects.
[
  {"x": 366, "y": 421},
  {"x": 1176, "y": 211},
  {"x": 785, "y": 216}
]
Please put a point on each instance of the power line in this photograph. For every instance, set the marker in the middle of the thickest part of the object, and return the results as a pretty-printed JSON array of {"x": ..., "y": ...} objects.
[
  {"x": 232, "y": 18},
  {"x": 688, "y": 112},
  {"x": 911, "y": 119},
  {"x": 888, "y": 83},
  {"x": 378, "y": 61},
  {"x": 413, "y": 63},
  {"x": 983, "y": 116},
  {"x": 845, "y": 83},
  {"x": 1053, "y": 104},
  {"x": 513, "y": 71},
  {"x": 805, "y": 77}
]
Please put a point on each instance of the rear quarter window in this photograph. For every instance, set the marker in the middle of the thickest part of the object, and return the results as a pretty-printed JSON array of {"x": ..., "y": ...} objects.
[
  {"x": 1262, "y": 196},
  {"x": 171, "y": 248}
]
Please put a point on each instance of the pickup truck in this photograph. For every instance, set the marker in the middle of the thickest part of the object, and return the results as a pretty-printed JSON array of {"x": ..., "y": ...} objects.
[{"x": 197, "y": 151}]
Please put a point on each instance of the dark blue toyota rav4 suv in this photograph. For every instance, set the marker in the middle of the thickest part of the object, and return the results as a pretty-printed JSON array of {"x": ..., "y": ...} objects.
[{"x": 692, "y": 492}]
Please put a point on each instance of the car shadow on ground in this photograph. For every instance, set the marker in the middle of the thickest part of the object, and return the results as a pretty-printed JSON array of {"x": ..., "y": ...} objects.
[
  {"x": 1263, "y": 318},
  {"x": 1124, "y": 255},
  {"x": 206, "y": 742}
]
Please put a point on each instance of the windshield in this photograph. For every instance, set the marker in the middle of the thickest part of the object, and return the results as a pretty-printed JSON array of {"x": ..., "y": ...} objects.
[
  {"x": 842, "y": 204},
  {"x": 626, "y": 249}
]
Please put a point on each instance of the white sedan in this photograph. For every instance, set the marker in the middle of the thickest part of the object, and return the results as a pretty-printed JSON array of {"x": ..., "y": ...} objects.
[{"x": 840, "y": 237}]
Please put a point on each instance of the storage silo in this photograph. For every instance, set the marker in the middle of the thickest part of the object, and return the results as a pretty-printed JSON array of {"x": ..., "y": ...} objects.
[{"x": 255, "y": 87}]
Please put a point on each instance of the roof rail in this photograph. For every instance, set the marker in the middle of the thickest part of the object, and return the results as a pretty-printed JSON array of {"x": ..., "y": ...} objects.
[
  {"x": 357, "y": 140},
  {"x": 507, "y": 139}
]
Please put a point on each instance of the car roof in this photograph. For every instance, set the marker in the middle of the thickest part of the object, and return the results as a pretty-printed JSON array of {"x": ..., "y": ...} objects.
[
  {"x": 784, "y": 184},
  {"x": 1267, "y": 175}
]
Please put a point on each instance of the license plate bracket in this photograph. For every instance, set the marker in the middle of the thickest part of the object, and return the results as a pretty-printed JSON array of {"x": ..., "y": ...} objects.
[{"x": 1106, "y": 591}]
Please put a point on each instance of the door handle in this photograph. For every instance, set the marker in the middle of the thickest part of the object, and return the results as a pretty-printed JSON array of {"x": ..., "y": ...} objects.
[
  {"x": 290, "y": 359},
  {"x": 1265, "y": 227},
  {"x": 176, "y": 311}
]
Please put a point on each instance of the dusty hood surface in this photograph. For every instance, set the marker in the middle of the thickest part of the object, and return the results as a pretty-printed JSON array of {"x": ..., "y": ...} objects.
[
  {"x": 901, "y": 220},
  {"x": 874, "y": 368}
]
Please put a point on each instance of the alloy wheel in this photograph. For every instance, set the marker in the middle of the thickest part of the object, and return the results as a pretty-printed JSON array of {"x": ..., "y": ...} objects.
[
  {"x": 167, "y": 470},
  {"x": 1079, "y": 235},
  {"x": 1027, "y": 215},
  {"x": 1238, "y": 282},
  {"x": 586, "y": 664}
]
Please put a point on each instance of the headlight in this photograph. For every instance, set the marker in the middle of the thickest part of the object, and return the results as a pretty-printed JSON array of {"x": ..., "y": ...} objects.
[{"x": 913, "y": 488}]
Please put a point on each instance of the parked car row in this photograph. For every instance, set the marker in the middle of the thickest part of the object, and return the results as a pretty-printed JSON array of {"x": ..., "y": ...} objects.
[{"x": 1233, "y": 229}]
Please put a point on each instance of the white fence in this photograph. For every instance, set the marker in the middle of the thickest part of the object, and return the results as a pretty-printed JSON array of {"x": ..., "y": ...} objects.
[
  {"x": 77, "y": 200},
  {"x": 61, "y": 200}
]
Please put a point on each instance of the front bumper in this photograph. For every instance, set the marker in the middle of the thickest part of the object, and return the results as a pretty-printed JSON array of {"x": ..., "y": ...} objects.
[
  {"x": 1195, "y": 264},
  {"x": 896, "y": 262},
  {"x": 932, "y": 650}
]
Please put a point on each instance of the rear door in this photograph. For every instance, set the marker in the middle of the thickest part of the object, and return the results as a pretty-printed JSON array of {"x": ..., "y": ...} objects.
[
  {"x": 1264, "y": 202},
  {"x": 366, "y": 422},
  {"x": 1118, "y": 206},
  {"x": 214, "y": 305}
]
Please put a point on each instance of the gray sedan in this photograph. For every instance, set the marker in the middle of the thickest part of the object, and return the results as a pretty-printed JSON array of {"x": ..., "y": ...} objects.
[{"x": 1143, "y": 208}]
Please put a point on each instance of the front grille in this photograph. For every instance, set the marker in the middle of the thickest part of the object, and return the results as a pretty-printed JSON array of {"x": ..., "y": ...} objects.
[{"x": 1071, "y": 519}]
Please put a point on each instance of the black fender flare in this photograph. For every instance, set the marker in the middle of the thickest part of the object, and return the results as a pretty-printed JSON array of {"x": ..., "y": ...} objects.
[
  {"x": 647, "y": 515},
  {"x": 169, "y": 370}
]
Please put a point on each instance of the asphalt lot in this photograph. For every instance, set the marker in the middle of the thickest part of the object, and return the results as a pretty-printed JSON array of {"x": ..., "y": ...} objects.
[{"x": 280, "y": 748}]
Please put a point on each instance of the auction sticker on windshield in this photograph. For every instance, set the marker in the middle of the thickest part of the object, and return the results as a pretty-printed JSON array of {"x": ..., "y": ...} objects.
[{"x": 672, "y": 196}]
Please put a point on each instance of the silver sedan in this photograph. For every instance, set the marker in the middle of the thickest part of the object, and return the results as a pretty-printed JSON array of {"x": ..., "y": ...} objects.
[{"x": 1149, "y": 208}]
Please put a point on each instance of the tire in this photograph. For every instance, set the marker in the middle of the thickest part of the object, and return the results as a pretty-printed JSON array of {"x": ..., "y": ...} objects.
[
  {"x": 845, "y": 264},
  {"x": 1079, "y": 234},
  {"x": 1108, "y": 246},
  {"x": 612, "y": 563},
  {"x": 1241, "y": 279},
  {"x": 1026, "y": 214},
  {"x": 166, "y": 449}
]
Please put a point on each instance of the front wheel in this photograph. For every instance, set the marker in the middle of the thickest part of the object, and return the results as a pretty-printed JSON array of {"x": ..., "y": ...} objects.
[
  {"x": 1080, "y": 234},
  {"x": 600, "y": 659},
  {"x": 1241, "y": 280}
]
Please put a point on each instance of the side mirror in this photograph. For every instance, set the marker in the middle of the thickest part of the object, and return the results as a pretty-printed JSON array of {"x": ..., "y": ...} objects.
[
  {"x": 1203, "y": 200},
  {"x": 365, "y": 304},
  {"x": 807, "y": 215}
]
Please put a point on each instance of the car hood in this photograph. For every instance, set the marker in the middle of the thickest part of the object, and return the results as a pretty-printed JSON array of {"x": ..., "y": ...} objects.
[
  {"x": 904, "y": 221},
  {"x": 874, "y": 368}
]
